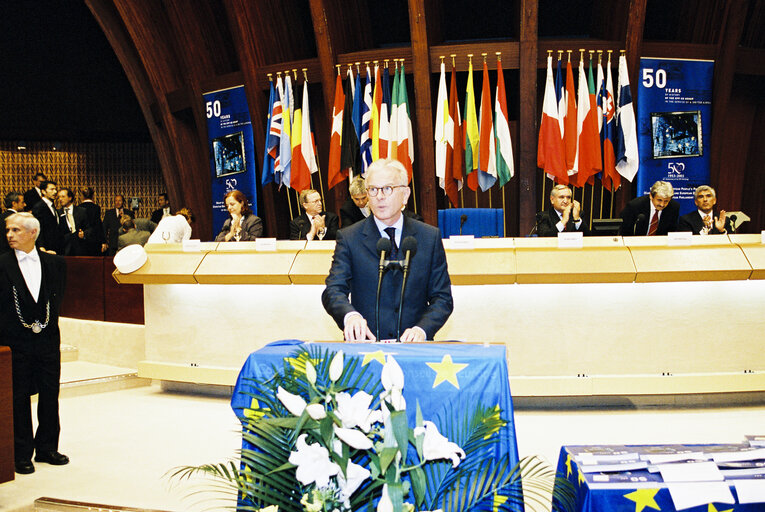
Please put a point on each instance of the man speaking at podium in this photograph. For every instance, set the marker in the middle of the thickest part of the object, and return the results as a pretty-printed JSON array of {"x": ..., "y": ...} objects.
[{"x": 355, "y": 267}]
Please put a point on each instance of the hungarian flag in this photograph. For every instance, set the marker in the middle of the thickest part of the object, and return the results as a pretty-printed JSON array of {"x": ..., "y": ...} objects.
[
  {"x": 487, "y": 158},
  {"x": 404, "y": 136},
  {"x": 285, "y": 139},
  {"x": 350, "y": 158},
  {"x": 334, "y": 174},
  {"x": 587, "y": 162},
  {"x": 471, "y": 133},
  {"x": 610, "y": 178},
  {"x": 627, "y": 157},
  {"x": 444, "y": 129},
  {"x": 385, "y": 114},
  {"x": 570, "y": 121},
  {"x": 550, "y": 152},
  {"x": 374, "y": 123},
  {"x": 267, "y": 176},
  {"x": 505, "y": 164},
  {"x": 454, "y": 152}
]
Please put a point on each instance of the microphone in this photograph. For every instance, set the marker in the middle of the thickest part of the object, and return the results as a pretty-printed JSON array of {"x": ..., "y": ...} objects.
[
  {"x": 537, "y": 218},
  {"x": 409, "y": 248},
  {"x": 463, "y": 220},
  {"x": 640, "y": 220},
  {"x": 383, "y": 248},
  {"x": 733, "y": 222}
]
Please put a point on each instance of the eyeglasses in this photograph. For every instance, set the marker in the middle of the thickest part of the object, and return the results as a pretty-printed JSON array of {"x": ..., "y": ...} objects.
[{"x": 386, "y": 190}]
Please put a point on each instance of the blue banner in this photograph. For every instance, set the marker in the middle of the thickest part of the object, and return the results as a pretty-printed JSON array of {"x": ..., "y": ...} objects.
[
  {"x": 674, "y": 123},
  {"x": 232, "y": 150}
]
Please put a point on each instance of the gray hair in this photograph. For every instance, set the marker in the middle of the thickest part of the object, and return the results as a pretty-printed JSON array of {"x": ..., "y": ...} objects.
[
  {"x": 357, "y": 186},
  {"x": 26, "y": 220},
  {"x": 704, "y": 188},
  {"x": 391, "y": 165},
  {"x": 662, "y": 189},
  {"x": 558, "y": 187}
]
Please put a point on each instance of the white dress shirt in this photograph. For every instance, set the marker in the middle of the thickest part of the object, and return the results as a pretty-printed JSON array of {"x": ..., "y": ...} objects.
[{"x": 31, "y": 269}]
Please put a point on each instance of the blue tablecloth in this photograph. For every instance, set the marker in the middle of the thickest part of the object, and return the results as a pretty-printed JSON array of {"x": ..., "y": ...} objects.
[
  {"x": 637, "y": 490},
  {"x": 438, "y": 375}
]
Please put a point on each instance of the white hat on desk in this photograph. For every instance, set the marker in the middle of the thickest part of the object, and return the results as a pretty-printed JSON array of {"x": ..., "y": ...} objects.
[{"x": 130, "y": 258}]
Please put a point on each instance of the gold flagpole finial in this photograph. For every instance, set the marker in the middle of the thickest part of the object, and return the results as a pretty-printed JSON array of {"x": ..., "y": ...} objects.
[
  {"x": 470, "y": 59},
  {"x": 549, "y": 53},
  {"x": 609, "y": 57},
  {"x": 622, "y": 51},
  {"x": 560, "y": 54},
  {"x": 484, "y": 56},
  {"x": 569, "y": 55},
  {"x": 499, "y": 56},
  {"x": 600, "y": 56},
  {"x": 278, "y": 74},
  {"x": 357, "y": 67},
  {"x": 294, "y": 73},
  {"x": 338, "y": 68},
  {"x": 442, "y": 57},
  {"x": 453, "y": 55},
  {"x": 305, "y": 74},
  {"x": 386, "y": 63},
  {"x": 270, "y": 77}
]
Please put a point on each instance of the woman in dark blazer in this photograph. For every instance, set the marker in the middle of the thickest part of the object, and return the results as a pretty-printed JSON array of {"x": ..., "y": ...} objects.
[{"x": 243, "y": 224}]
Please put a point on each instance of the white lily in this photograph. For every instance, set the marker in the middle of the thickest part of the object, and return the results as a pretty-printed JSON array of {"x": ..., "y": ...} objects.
[
  {"x": 336, "y": 367},
  {"x": 392, "y": 375},
  {"x": 435, "y": 446},
  {"x": 316, "y": 411},
  {"x": 385, "y": 504},
  {"x": 294, "y": 403},
  {"x": 353, "y": 438},
  {"x": 310, "y": 372},
  {"x": 354, "y": 410},
  {"x": 356, "y": 476},
  {"x": 313, "y": 463}
]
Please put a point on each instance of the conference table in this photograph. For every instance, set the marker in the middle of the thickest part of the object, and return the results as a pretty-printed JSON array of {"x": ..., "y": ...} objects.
[
  {"x": 624, "y": 484},
  {"x": 445, "y": 379}
]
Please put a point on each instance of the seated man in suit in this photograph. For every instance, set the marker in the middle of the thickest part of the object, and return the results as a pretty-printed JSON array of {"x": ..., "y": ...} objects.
[
  {"x": 355, "y": 207},
  {"x": 565, "y": 214},
  {"x": 702, "y": 221},
  {"x": 654, "y": 214},
  {"x": 73, "y": 221},
  {"x": 131, "y": 234},
  {"x": 354, "y": 272},
  {"x": 314, "y": 223}
]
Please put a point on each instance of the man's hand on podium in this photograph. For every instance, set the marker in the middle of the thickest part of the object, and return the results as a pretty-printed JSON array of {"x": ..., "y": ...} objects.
[
  {"x": 356, "y": 328},
  {"x": 413, "y": 335}
]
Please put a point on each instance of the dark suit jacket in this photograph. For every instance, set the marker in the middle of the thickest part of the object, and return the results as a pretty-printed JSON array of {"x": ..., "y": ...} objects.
[
  {"x": 4, "y": 247},
  {"x": 50, "y": 232},
  {"x": 300, "y": 226},
  {"x": 428, "y": 298},
  {"x": 252, "y": 228},
  {"x": 157, "y": 214},
  {"x": 350, "y": 213},
  {"x": 549, "y": 218},
  {"x": 629, "y": 215},
  {"x": 52, "y": 286},
  {"x": 73, "y": 245},
  {"x": 31, "y": 198},
  {"x": 94, "y": 230},
  {"x": 693, "y": 222},
  {"x": 112, "y": 228}
]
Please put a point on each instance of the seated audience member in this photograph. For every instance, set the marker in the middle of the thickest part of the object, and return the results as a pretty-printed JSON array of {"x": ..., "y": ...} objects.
[
  {"x": 94, "y": 231},
  {"x": 111, "y": 224},
  {"x": 314, "y": 223},
  {"x": 174, "y": 229},
  {"x": 73, "y": 221},
  {"x": 14, "y": 203},
  {"x": 565, "y": 214},
  {"x": 242, "y": 224},
  {"x": 654, "y": 214},
  {"x": 355, "y": 207},
  {"x": 163, "y": 209},
  {"x": 702, "y": 221},
  {"x": 131, "y": 235},
  {"x": 141, "y": 224}
]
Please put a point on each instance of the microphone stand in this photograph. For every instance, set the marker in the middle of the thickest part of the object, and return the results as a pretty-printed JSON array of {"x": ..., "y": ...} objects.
[
  {"x": 381, "y": 270},
  {"x": 401, "y": 300}
]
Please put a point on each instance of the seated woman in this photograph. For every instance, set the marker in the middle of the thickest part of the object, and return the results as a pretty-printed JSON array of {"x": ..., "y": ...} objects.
[{"x": 243, "y": 224}]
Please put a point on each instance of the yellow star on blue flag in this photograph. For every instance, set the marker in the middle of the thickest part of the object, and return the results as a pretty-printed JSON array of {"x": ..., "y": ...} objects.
[
  {"x": 378, "y": 356},
  {"x": 568, "y": 465},
  {"x": 498, "y": 502},
  {"x": 446, "y": 371},
  {"x": 643, "y": 498},
  {"x": 711, "y": 508}
]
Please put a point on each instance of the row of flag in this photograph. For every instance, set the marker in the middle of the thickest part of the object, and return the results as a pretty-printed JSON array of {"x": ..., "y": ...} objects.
[
  {"x": 477, "y": 147},
  {"x": 585, "y": 133},
  {"x": 369, "y": 123},
  {"x": 290, "y": 156}
]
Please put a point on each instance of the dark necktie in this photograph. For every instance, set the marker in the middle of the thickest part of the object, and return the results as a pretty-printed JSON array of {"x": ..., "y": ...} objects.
[
  {"x": 654, "y": 227},
  {"x": 393, "y": 247}
]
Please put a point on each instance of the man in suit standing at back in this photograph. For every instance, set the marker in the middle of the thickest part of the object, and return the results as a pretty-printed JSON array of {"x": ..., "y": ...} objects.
[
  {"x": 73, "y": 222},
  {"x": 351, "y": 290},
  {"x": 94, "y": 232},
  {"x": 112, "y": 224},
  {"x": 32, "y": 285},
  {"x": 164, "y": 208},
  {"x": 14, "y": 203},
  {"x": 45, "y": 211},
  {"x": 654, "y": 214},
  {"x": 34, "y": 194}
]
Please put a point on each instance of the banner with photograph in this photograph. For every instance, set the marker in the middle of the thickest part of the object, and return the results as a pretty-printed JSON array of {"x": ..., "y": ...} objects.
[
  {"x": 232, "y": 150},
  {"x": 674, "y": 118}
]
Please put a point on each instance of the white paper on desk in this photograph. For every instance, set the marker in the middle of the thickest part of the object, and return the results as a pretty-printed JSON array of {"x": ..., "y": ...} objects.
[
  {"x": 737, "y": 456},
  {"x": 193, "y": 245},
  {"x": 693, "y": 494},
  {"x": 690, "y": 472},
  {"x": 591, "y": 458},
  {"x": 679, "y": 238},
  {"x": 265, "y": 244},
  {"x": 570, "y": 240},
  {"x": 462, "y": 241},
  {"x": 750, "y": 491},
  {"x": 663, "y": 458}
]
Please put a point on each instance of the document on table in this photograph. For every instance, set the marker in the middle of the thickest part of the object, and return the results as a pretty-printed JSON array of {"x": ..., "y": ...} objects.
[
  {"x": 750, "y": 491},
  {"x": 694, "y": 494},
  {"x": 690, "y": 472}
]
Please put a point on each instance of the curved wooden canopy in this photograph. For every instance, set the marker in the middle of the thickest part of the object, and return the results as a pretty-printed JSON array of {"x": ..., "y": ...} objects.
[{"x": 175, "y": 50}]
